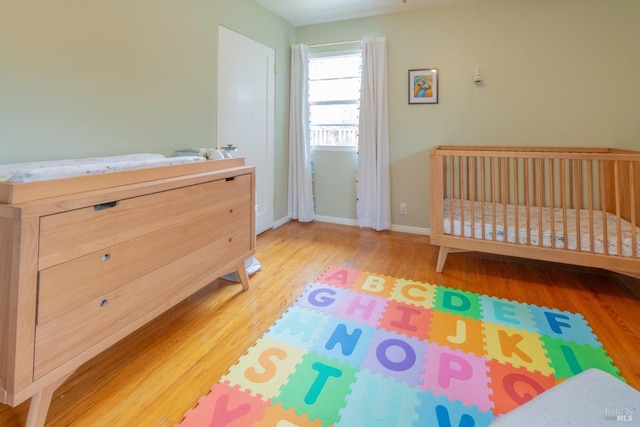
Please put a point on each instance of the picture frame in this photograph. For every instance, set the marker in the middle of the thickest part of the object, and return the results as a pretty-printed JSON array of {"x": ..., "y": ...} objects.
[{"x": 423, "y": 86}]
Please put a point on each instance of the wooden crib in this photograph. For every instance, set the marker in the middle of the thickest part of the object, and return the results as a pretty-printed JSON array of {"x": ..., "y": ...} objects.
[{"x": 571, "y": 205}]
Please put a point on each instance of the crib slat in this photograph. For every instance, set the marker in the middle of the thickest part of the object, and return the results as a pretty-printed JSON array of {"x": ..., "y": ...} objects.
[
  {"x": 534, "y": 180},
  {"x": 632, "y": 192},
  {"x": 577, "y": 185},
  {"x": 632, "y": 201},
  {"x": 527, "y": 195},
  {"x": 460, "y": 178},
  {"x": 516, "y": 201},
  {"x": 570, "y": 184},
  {"x": 472, "y": 194},
  {"x": 483, "y": 195},
  {"x": 592, "y": 246},
  {"x": 504, "y": 176},
  {"x": 451, "y": 196},
  {"x": 461, "y": 196},
  {"x": 563, "y": 203},
  {"x": 552, "y": 202},
  {"x": 498, "y": 164},
  {"x": 493, "y": 197},
  {"x": 616, "y": 169},
  {"x": 603, "y": 208},
  {"x": 540, "y": 197}
]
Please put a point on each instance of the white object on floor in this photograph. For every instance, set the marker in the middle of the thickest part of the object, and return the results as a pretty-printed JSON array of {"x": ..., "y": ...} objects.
[{"x": 251, "y": 264}]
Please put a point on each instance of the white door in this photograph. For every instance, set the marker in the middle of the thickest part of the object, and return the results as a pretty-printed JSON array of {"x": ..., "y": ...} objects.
[{"x": 246, "y": 84}]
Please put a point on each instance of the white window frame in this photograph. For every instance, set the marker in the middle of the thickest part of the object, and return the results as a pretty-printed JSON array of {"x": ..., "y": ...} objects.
[{"x": 345, "y": 148}]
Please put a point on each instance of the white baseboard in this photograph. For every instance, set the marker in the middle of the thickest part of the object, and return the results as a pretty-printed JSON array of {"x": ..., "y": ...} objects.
[
  {"x": 412, "y": 230},
  {"x": 336, "y": 220},
  {"x": 354, "y": 222},
  {"x": 281, "y": 222}
]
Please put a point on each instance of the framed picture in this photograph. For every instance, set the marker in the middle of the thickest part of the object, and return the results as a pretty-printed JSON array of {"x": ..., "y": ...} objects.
[{"x": 423, "y": 86}]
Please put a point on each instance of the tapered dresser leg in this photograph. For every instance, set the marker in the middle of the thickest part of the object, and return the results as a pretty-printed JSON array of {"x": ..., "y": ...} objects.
[
  {"x": 40, "y": 403},
  {"x": 244, "y": 277}
]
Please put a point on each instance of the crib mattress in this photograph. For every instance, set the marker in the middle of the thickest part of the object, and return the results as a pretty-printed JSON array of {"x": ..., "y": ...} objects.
[
  {"x": 519, "y": 235},
  {"x": 54, "y": 169}
]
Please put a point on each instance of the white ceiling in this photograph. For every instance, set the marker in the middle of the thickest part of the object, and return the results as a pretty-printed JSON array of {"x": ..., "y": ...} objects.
[{"x": 305, "y": 12}]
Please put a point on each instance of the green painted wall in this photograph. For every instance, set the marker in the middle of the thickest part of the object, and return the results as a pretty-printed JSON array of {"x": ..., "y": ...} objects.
[
  {"x": 101, "y": 77},
  {"x": 335, "y": 192},
  {"x": 556, "y": 72},
  {"x": 98, "y": 77}
]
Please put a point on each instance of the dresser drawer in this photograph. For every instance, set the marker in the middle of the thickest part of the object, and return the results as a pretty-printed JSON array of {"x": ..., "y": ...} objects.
[
  {"x": 74, "y": 282},
  {"x": 90, "y": 323},
  {"x": 79, "y": 232}
]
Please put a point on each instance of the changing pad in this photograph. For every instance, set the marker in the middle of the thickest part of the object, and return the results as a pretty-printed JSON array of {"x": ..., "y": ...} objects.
[{"x": 54, "y": 169}]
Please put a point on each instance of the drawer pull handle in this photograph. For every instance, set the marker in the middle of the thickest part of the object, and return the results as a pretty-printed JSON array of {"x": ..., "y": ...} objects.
[
  {"x": 106, "y": 257},
  {"x": 231, "y": 178},
  {"x": 104, "y": 302},
  {"x": 103, "y": 206}
]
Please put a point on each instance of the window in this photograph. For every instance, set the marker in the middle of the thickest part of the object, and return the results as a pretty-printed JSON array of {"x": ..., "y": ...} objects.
[{"x": 334, "y": 100}]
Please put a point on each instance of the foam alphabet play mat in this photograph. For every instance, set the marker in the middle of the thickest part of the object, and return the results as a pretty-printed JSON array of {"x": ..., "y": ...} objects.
[{"x": 364, "y": 349}]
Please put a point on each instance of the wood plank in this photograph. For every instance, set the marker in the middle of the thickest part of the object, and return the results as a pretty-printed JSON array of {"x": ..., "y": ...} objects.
[{"x": 155, "y": 375}]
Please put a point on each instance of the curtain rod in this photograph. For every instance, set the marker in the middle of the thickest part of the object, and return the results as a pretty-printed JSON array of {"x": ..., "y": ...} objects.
[{"x": 334, "y": 43}]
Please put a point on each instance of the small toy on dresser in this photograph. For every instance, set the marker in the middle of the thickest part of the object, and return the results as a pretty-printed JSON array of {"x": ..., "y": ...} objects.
[{"x": 226, "y": 152}]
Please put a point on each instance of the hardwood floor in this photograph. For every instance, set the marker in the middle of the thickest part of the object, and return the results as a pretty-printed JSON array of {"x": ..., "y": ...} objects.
[{"x": 152, "y": 377}]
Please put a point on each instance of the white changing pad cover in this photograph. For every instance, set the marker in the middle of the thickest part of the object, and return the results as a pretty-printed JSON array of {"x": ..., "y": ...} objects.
[
  {"x": 54, "y": 169},
  {"x": 559, "y": 238}
]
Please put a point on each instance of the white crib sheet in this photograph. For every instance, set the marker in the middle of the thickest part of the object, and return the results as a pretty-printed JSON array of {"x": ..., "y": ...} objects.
[
  {"x": 559, "y": 238},
  {"x": 54, "y": 169}
]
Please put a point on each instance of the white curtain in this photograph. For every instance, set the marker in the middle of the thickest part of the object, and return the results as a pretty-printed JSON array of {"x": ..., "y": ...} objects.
[
  {"x": 374, "y": 193},
  {"x": 300, "y": 196}
]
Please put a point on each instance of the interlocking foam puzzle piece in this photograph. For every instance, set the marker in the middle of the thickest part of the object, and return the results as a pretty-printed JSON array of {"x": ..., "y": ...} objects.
[
  {"x": 340, "y": 276},
  {"x": 459, "y": 302},
  {"x": 569, "y": 358},
  {"x": 562, "y": 324},
  {"x": 345, "y": 341},
  {"x": 299, "y": 327},
  {"x": 513, "y": 386},
  {"x": 457, "y": 375},
  {"x": 318, "y": 387},
  {"x": 396, "y": 356},
  {"x": 226, "y": 406},
  {"x": 440, "y": 411},
  {"x": 406, "y": 319},
  {"x": 457, "y": 332},
  {"x": 376, "y": 401},
  {"x": 277, "y": 416},
  {"x": 321, "y": 297},
  {"x": 516, "y": 347},
  {"x": 362, "y": 308},
  {"x": 265, "y": 367},
  {"x": 375, "y": 284},
  {"x": 416, "y": 293},
  {"x": 507, "y": 313}
]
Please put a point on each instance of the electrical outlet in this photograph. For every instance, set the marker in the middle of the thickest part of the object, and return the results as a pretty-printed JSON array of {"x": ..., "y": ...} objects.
[{"x": 403, "y": 208}]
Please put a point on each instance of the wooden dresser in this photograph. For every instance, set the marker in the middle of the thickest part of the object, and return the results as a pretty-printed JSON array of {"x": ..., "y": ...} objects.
[{"x": 86, "y": 261}]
